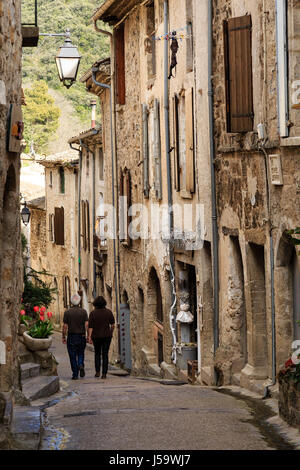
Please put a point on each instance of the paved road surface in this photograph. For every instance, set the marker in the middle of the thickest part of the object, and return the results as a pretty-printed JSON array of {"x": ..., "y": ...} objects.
[{"x": 126, "y": 413}]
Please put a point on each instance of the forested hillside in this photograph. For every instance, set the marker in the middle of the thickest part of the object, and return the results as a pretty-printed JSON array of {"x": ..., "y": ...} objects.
[{"x": 55, "y": 16}]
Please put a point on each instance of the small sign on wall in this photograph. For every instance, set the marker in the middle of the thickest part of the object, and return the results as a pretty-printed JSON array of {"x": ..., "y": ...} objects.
[
  {"x": 15, "y": 129},
  {"x": 276, "y": 170}
]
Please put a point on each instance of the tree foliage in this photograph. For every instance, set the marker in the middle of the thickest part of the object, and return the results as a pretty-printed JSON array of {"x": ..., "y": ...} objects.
[
  {"x": 55, "y": 16},
  {"x": 40, "y": 115}
]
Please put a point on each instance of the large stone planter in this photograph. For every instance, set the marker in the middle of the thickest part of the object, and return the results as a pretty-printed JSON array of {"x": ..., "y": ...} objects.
[
  {"x": 289, "y": 402},
  {"x": 37, "y": 344}
]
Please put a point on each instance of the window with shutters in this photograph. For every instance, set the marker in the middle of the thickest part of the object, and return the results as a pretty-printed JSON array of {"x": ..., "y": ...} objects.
[
  {"x": 51, "y": 226},
  {"x": 124, "y": 206},
  {"x": 293, "y": 60},
  {"x": 145, "y": 145},
  {"x": 66, "y": 292},
  {"x": 157, "y": 150},
  {"x": 238, "y": 74},
  {"x": 189, "y": 39},
  {"x": 183, "y": 143},
  {"x": 120, "y": 64},
  {"x": 150, "y": 43},
  {"x": 62, "y": 180},
  {"x": 83, "y": 225},
  {"x": 88, "y": 229},
  {"x": 87, "y": 163},
  {"x": 59, "y": 226},
  {"x": 176, "y": 142}
]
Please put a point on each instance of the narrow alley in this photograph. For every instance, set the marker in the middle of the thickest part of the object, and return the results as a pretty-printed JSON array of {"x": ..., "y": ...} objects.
[{"x": 128, "y": 413}]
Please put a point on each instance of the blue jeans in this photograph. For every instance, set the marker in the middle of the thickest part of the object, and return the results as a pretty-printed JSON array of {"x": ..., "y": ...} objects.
[{"x": 76, "y": 345}]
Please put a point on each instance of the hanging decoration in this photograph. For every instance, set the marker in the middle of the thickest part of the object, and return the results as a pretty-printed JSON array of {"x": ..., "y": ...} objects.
[
  {"x": 178, "y": 34},
  {"x": 174, "y": 49}
]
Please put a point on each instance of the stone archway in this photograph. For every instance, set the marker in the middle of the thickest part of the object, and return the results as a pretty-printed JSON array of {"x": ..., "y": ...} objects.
[
  {"x": 10, "y": 277},
  {"x": 287, "y": 301},
  {"x": 154, "y": 329}
]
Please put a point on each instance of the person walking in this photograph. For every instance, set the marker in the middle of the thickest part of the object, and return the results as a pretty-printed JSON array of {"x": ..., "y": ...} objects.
[
  {"x": 101, "y": 328},
  {"x": 75, "y": 324}
]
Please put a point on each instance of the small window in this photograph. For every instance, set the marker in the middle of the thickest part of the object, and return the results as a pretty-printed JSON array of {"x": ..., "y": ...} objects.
[
  {"x": 125, "y": 203},
  {"x": 87, "y": 163},
  {"x": 51, "y": 179},
  {"x": 62, "y": 180}
]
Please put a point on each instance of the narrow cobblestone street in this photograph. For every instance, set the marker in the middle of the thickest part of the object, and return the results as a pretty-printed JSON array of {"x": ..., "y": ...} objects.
[{"x": 127, "y": 413}]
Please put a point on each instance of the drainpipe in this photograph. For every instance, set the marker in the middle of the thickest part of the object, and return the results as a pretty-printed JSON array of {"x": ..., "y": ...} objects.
[
  {"x": 170, "y": 199},
  {"x": 215, "y": 247},
  {"x": 116, "y": 263}
]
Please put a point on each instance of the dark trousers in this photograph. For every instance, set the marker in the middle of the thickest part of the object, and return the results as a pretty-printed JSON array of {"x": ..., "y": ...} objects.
[
  {"x": 101, "y": 346},
  {"x": 76, "y": 345}
]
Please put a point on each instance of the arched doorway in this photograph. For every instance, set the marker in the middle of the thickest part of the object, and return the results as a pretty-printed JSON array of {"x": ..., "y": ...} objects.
[
  {"x": 155, "y": 316},
  {"x": 287, "y": 298},
  {"x": 125, "y": 336}
]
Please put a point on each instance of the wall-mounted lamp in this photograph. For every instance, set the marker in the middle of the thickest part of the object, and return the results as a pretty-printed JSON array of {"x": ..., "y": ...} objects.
[{"x": 25, "y": 214}]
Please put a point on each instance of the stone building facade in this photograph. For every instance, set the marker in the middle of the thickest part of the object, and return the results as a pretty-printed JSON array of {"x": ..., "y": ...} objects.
[
  {"x": 149, "y": 267},
  {"x": 246, "y": 319},
  {"x": 91, "y": 196},
  {"x": 53, "y": 240},
  {"x": 257, "y": 174},
  {"x": 11, "y": 263}
]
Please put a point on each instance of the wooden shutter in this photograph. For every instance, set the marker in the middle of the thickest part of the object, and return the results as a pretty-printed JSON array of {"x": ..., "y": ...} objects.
[
  {"x": 65, "y": 293},
  {"x": 51, "y": 227},
  {"x": 120, "y": 64},
  {"x": 83, "y": 212},
  {"x": 121, "y": 207},
  {"x": 87, "y": 206},
  {"x": 59, "y": 228},
  {"x": 238, "y": 66},
  {"x": 189, "y": 141},
  {"x": 145, "y": 138},
  {"x": 176, "y": 144},
  {"x": 128, "y": 205},
  {"x": 157, "y": 151}
]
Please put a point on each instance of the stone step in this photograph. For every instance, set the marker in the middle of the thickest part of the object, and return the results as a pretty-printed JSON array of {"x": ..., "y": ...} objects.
[
  {"x": 39, "y": 387},
  {"x": 29, "y": 369},
  {"x": 26, "y": 428},
  {"x": 23, "y": 354}
]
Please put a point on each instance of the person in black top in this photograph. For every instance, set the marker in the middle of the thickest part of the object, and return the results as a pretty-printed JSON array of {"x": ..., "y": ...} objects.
[
  {"x": 101, "y": 328},
  {"x": 76, "y": 324}
]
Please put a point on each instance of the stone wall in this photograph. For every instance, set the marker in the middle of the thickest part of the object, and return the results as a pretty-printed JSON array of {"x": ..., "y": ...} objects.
[
  {"x": 250, "y": 208},
  {"x": 10, "y": 244},
  {"x": 289, "y": 402}
]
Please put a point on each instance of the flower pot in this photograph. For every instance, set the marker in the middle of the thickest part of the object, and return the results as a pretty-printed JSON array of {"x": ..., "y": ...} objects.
[{"x": 36, "y": 344}]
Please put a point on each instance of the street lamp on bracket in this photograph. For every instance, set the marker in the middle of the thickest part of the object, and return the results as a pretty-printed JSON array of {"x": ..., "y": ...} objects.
[{"x": 67, "y": 60}]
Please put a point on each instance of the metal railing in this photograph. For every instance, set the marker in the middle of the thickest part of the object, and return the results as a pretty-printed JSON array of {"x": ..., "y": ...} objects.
[{"x": 35, "y": 16}]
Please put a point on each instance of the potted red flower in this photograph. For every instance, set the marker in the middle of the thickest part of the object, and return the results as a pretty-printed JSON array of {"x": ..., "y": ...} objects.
[{"x": 38, "y": 337}]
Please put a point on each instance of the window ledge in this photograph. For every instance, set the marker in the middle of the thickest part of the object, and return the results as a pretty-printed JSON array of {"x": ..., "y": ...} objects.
[{"x": 290, "y": 141}]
